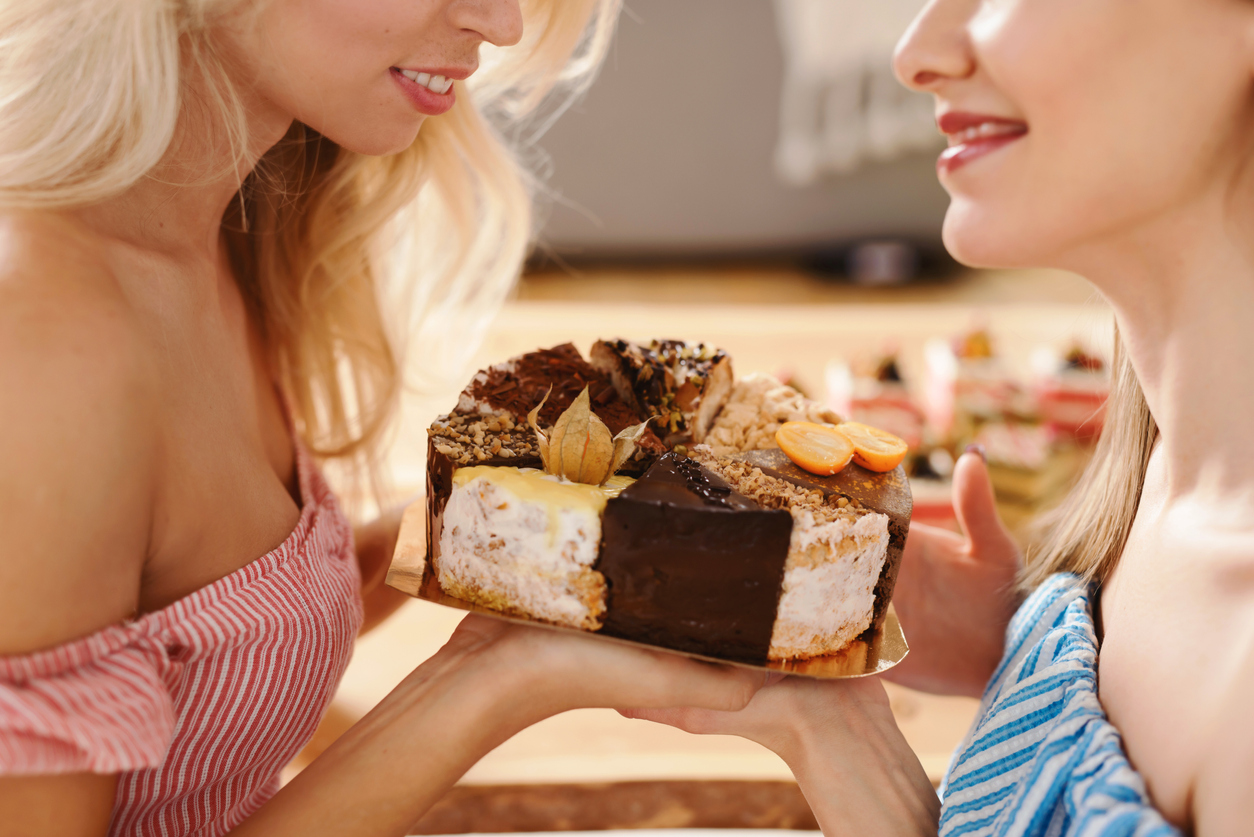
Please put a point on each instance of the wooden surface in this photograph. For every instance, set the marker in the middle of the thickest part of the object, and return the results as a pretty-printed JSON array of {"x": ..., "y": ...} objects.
[{"x": 619, "y": 805}]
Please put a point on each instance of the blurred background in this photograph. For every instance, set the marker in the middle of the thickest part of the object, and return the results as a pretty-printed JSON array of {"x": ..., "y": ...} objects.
[{"x": 749, "y": 173}]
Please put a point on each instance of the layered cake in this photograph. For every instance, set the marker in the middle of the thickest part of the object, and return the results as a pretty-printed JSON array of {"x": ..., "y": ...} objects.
[{"x": 641, "y": 496}]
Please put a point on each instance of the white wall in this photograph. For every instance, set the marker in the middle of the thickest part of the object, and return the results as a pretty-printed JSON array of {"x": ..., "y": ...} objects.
[{"x": 671, "y": 151}]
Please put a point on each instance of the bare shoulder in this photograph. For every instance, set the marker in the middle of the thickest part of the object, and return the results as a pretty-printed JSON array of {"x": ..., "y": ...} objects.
[
  {"x": 1223, "y": 795},
  {"x": 75, "y": 440}
]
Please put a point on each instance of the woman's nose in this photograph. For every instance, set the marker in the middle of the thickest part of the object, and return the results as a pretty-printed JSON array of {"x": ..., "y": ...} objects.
[
  {"x": 499, "y": 22},
  {"x": 936, "y": 48}
]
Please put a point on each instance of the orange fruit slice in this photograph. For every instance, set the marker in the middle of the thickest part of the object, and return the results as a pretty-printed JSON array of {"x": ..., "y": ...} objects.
[
  {"x": 874, "y": 449},
  {"x": 819, "y": 448}
]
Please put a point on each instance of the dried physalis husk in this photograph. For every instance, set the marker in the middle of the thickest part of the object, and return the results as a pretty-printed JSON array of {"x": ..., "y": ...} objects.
[
  {"x": 579, "y": 447},
  {"x": 625, "y": 445},
  {"x": 542, "y": 441}
]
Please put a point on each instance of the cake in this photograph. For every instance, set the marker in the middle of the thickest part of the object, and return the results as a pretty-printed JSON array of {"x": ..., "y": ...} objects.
[
  {"x": 582, "y": 495},
  {"x": 684, "y": 385}
]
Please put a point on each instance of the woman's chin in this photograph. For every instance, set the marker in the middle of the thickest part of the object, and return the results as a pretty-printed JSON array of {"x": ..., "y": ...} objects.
[
  {"x": 377, "y": 141},
  {"x": 986, "y": 244}
]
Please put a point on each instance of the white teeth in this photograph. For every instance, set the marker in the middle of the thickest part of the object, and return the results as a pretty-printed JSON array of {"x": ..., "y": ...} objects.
[
  {"x": 984, "y": 130},
  {"x": 436, "y": 84}
]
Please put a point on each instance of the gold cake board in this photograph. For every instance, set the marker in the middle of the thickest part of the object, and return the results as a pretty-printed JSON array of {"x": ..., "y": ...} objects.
[{"x": 873, "y": 653}]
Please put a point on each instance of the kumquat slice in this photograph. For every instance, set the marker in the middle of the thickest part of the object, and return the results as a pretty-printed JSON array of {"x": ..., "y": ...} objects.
[
  {"x": 874, "y": 449},
  {"x": 818, "y": 448}
]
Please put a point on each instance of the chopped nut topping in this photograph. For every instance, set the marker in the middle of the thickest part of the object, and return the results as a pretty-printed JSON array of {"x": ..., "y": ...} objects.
[{"x": 774, "y": 493}]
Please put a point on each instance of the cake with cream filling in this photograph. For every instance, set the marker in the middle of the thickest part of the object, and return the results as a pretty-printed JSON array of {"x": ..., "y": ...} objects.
[
  {"x": 525, "y": 543},
  {"x": 719, "y": 550}
]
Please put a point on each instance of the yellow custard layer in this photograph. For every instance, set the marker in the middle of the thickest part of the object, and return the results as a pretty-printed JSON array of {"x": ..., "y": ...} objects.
[{"x": 535, "y": 486}]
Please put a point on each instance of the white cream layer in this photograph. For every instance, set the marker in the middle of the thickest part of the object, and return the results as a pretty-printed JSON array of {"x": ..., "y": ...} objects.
[
  {"x": 523, "y": 536},
  {"x": 829, "y": 583}
]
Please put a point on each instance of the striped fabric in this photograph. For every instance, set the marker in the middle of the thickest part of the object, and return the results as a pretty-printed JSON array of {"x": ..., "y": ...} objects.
[
  {"x": 1041, "y": 758},
  {"x": 200, "y": 705}
]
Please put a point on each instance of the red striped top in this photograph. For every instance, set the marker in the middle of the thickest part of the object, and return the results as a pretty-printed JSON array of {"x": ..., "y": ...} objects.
[{"x": 198, "y": 706}]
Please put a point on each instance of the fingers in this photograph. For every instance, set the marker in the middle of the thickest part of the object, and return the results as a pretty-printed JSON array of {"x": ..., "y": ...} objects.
[
  {"x": 721, "y": 688},
  {"x": 976, "y": 507}
]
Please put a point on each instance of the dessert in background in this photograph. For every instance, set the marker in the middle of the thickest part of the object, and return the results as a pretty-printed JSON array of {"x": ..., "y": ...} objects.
[
  {"x": 932, "y": 487},
  {"x": 1071, "y": 390},
  {"x": 875, "y": 393},
  {"x": 967, "y": 384}
]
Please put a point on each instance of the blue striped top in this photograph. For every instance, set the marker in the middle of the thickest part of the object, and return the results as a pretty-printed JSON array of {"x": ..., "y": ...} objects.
[{"x": 1042, "y": 759}]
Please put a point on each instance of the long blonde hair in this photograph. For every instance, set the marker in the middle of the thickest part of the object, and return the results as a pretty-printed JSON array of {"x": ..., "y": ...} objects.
[
  {"x": 326, "y": 243},
  {"x": 1086, "y": 534}
]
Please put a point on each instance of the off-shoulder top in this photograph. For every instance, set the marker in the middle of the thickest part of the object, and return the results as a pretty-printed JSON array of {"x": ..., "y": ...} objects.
[
  {"x": 197, "y": 706},
  {"x": 1042, "y": 759}
]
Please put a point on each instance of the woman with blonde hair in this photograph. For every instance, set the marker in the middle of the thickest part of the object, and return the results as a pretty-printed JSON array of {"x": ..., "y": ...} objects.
[
  {"x": 208, "y": 209},
  {"x": 1116, "y": 140}
]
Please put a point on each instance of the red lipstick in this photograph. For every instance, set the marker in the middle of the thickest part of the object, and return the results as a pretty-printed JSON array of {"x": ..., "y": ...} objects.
[{"x": 972, "y": 136}]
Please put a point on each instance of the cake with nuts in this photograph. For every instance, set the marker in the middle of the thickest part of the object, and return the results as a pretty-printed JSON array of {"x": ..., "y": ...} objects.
[{"x": 646, "y": 495}]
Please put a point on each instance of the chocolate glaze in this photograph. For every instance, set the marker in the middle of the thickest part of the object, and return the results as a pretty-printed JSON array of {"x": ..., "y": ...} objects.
[
  {"x": 691, "y": 564},
  {"x": 887, "y": 493}
]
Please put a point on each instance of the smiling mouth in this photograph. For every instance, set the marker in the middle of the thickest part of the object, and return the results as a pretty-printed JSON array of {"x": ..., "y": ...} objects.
[
  {"x": 986, "y": 131},
  {"x": 972, "y": 136},
  {"x": 436, "y": 84}
]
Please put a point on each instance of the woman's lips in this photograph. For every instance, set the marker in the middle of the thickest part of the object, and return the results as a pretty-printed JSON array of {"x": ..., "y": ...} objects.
[
  {"x": 972, "y": 136},
  {"x": 423, "y": 98}
]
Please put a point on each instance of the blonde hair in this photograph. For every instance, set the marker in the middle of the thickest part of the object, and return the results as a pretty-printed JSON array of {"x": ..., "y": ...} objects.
[
  {"x": 1086, "y": 534},
  {"x": 323, "y": 241}
]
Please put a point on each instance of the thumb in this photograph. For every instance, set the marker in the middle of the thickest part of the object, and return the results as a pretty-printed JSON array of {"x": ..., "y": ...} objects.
[{"x": 976, "y": 508}]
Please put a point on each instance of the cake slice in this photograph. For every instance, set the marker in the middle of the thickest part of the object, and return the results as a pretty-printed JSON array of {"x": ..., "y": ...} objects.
[
  {"x": 489, "y": 424},
  {"x": 522, "y": 542},
  {"x": 691, "y": 564},
  {"x": 866, "y": 492},
  {"x": 683, "y": 384},
  {"x": 836, "y": 555}
]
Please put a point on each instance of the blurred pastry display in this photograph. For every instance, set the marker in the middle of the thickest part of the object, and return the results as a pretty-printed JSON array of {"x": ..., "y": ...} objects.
[
  {"x": 1071, "y": 389},
  {"x": 968, "y": 384},
  {"x": 876, "y": 393}
]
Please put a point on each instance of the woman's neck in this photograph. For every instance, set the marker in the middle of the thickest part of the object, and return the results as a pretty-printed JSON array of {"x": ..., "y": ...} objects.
[
  {"x": 1183, "y": 294},
  {"x": 177, "y": 208}
]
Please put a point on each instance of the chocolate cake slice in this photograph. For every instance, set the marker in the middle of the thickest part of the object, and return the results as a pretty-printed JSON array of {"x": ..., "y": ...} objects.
[
  {"x": 692, "y": 565},
  {"x": 683, "y": 384}
]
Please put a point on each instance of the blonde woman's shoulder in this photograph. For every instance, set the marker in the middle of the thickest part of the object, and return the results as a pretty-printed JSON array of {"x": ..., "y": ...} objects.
[{"x": 76, "y": 459}]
